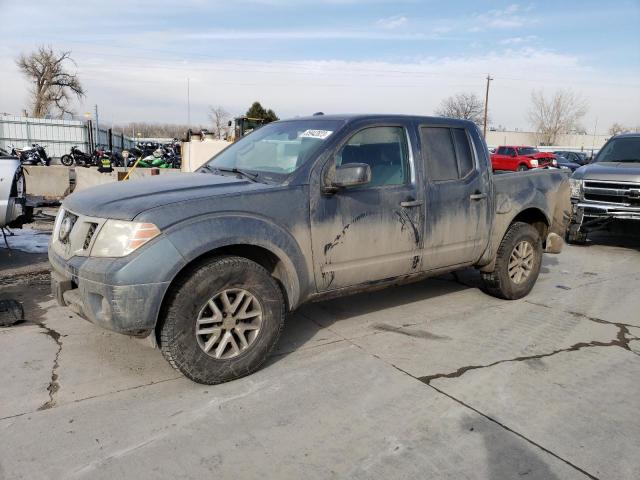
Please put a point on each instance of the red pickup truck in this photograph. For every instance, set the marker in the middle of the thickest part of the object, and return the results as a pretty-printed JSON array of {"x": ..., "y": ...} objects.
[{"x": 520, "y": 158}]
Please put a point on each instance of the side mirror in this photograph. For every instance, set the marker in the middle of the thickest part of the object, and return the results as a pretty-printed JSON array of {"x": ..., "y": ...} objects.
[{"x": 352, "y": 175}]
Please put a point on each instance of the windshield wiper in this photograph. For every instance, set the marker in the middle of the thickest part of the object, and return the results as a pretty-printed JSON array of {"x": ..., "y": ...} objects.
[{"x": 251, "y": 176}]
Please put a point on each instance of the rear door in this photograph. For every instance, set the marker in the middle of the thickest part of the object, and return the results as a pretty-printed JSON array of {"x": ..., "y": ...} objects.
[{"x": 457, "y": 215}]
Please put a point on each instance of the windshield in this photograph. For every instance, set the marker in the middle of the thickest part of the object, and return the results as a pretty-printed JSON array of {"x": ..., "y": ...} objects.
[
  {"x": 527, "y": 151},
  {"x": 275, "y": 150},
  {"x": 623, "y": 149}
]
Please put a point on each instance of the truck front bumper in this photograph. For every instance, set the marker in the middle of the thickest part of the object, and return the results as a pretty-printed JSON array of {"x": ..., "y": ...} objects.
[
  {"x": 586, "y": 213},
  {"x": 130, "y": 309}
]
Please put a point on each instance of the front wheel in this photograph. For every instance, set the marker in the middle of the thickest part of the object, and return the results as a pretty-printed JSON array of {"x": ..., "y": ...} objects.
[
  {"x": 66, "y": 160},
  {"x": 222, "y": 320},
  {"x": 522, "y": 168},
  {"x": 517, "y": 265}
]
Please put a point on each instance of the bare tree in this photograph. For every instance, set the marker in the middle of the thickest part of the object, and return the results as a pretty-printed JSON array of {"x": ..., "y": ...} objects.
[
  {"x": 466, "y": 106},
  {"x": 617, "y": 128},
  {"x": 52, "y": 85},
  {"x": 219, "y": 117},
  {"x": 556, "y": 115}
]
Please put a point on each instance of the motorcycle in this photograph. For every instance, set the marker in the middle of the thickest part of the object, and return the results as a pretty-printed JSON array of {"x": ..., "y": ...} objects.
[
  {"x": 78, "y": 157},
  {"x": 82, "y": 159},
  {"x": 34, "y": 155}
]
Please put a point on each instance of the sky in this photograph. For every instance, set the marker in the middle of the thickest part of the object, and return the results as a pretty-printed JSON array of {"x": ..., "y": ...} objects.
[{"x": 140, "y": 60}]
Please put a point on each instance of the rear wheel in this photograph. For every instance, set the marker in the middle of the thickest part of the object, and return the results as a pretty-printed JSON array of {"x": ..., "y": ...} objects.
[
  {"x": 66, "y": 160},
  {"x": 517, "y": 263},
  {"x": 222, "y": 320}
]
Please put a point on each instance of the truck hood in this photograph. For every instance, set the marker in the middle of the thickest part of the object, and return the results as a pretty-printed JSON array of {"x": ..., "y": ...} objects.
[
  {"x": 125, "y": 200},
  {"x": 614, "y": 171}
]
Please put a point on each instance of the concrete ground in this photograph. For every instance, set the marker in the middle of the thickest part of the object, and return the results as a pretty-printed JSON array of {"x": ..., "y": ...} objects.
[{"x": 430, "y": 380}]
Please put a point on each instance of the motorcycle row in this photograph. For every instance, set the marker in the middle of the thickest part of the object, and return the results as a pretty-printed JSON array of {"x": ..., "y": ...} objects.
[
  {"x": 143, "y": 155},
  {"x": 154, "y": 155}
]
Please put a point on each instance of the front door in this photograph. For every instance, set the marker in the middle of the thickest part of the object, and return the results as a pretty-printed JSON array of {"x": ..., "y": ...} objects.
[
  {"x": 371, "y": 232},
  {"x": 457, "y": 209}
]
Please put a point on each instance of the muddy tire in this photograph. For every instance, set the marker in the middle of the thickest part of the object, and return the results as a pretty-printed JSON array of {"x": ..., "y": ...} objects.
[
  {"x": 222, "y": 320},
  {"x": 517, "y": 263},
  {"x": 576, "y": 237}
]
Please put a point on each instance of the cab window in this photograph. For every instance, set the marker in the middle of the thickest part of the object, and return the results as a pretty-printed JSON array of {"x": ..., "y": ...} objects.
[
  {"x": 384, "y": 149},
  {"x": 447, "y": 153}
]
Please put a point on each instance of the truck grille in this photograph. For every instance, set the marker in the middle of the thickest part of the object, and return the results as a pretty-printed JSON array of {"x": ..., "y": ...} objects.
[
  {"x": 621, "y": 193},
  {"x": 76, "y": 236},
  {"x": 89, "y": 237}
]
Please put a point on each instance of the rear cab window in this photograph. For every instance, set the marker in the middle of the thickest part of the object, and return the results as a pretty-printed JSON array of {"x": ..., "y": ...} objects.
[{"x": 447, "y": 153}]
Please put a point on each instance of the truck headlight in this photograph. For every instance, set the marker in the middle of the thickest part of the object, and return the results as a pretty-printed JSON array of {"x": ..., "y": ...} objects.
[
  {"x": 118, "y": 238},
  {"x": 534, "y": 163},
  {"x": 575, "y": 186}
]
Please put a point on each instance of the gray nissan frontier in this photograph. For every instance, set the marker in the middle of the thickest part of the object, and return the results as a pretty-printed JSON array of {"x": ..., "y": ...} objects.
[{"x": 207, "y": 264}]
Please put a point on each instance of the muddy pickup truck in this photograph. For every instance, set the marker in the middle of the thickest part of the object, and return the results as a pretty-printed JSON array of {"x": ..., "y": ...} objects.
[{"x": 208, "y": 263}]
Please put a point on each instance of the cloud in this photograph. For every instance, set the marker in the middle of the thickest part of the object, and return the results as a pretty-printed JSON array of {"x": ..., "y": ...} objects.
[
  {"x": 506, "y": 18},
  {"x": 307, "y": 34},
  {"x": 518, "y": 40},
  {"x": 127, "y": 89},
  {"x": 393, "y": 22}
]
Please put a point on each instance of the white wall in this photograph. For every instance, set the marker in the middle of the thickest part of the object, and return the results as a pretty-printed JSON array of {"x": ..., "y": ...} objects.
[{"x": 573, "y": 142}]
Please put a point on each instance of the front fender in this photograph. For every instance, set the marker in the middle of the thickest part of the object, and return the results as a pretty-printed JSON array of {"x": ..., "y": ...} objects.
[{"x": 201, "y": 235}]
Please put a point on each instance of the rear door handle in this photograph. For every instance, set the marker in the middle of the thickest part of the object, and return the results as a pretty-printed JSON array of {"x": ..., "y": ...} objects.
[
  {"x": 478, "y": 196},
  {"x": 411, "y": 203}
]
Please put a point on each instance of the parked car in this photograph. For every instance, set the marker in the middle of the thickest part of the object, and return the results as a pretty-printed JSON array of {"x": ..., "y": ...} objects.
[
  {"x": 208, "y": 263},
  {"x": 608, "y": 189},
  {"x": 580, "y": 158},
  {"x": 563, "y": 162},
  {"x": 518, "y": 158},
  {"x": 14, "y": 211}
]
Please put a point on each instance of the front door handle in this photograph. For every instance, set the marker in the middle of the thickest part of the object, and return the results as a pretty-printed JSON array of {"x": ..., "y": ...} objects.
[
  {"x": 478, "y": 196},
  {"x": 411, "y": 203}
]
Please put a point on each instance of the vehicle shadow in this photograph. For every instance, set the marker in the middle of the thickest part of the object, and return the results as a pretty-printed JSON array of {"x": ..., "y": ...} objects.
[
  {"x": 623, "y": 235},
  {"x": 507, "y": 455},
  {"x": 310, "y": 326}
]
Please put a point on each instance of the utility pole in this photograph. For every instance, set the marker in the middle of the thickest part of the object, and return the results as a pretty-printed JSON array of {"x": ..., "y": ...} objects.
[
  {"x": 486, "y": 107},
  {"x": 97, "y": 140},
  {"x": 188, "y": 104}
]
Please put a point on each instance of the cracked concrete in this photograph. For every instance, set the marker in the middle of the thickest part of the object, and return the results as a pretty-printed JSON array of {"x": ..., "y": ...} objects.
[
  {"x": 53, "y": 384},
  {"x": 431, "y": 380}
]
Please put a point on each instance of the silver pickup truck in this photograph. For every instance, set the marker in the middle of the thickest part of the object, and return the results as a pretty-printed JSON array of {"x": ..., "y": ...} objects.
[
  {"x": 209, "y": 263},
  {"x": 608, "y": 189}
]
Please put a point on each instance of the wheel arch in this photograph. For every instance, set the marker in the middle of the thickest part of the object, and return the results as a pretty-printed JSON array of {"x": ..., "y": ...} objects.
[
  {"x": 531, "y": 215},
  {"x": 265, "y": 257},
  {"x": 534, "y": 217}
]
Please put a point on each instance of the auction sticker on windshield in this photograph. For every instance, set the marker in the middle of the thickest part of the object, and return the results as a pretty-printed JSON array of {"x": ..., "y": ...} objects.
[{"x": 319, "y": 134}]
